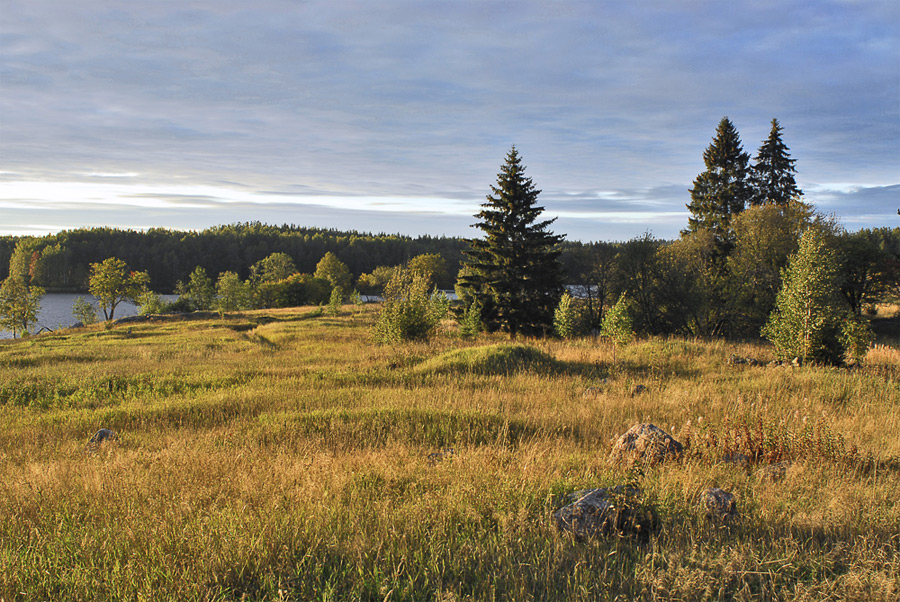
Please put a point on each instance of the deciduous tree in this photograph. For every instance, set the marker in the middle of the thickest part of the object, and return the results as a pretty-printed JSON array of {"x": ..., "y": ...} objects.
[
  {"x": 111, "y": 282},
  {"x": 19, "y": 305}
]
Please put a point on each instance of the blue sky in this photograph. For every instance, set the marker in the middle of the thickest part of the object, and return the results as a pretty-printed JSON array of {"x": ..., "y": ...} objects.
[{"x": 394, "y": 116}]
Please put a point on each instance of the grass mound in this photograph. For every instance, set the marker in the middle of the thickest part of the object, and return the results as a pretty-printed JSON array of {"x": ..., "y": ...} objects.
[{"x": 504, "y": 358}]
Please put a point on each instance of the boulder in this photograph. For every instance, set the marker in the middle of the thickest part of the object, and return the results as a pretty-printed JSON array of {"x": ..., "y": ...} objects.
[
  {"x": 645, "y": 444},
  {"x": 607, "y": 511},
  {"x": 772, "y": 473},
  {"x": 719, "y": 504},
  {"x": 100, "y": 437}
]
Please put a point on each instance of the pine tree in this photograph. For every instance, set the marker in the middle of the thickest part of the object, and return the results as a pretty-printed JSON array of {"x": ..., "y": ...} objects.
[
  {"x": 723, "y": 190},
  {"x": 772, "y": 174},
  {"x": 514, "y": 271}
]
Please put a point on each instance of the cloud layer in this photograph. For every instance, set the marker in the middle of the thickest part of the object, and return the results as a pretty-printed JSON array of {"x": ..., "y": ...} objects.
[{"x": 396, "y": 115}]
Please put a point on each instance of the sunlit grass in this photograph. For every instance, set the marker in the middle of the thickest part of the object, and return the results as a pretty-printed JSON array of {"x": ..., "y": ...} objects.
[{"x": 283, "y": 455}]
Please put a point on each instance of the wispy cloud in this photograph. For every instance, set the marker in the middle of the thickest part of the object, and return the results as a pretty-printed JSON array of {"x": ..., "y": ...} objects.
[{"x": 610, "y": 103}]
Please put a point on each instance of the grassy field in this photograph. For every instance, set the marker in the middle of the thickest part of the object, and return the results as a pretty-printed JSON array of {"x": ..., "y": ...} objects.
[{"x": 281, "y": 455}]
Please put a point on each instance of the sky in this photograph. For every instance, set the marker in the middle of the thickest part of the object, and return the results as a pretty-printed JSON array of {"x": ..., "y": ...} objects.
[{"x": 395, "y": 116}]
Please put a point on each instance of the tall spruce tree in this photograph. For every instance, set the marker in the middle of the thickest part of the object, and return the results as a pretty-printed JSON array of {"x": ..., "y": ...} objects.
[
  {"x": 772, "y": 174},
  {"x": 514, "y": 271},
  {"x": 723, "y": 190}
]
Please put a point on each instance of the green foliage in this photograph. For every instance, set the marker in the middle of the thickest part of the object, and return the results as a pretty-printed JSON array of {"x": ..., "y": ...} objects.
[
  {"x": 273, "y": 268},
  {"x": 334, "y": 271},
  {"x": 357, "y": 300},
  {"x": 232, "y": 294},
  {"x": 772, "y": 174},
  {"x": 856, "y": 337},
  {"x": 151, "y": 303},
  {"x": 409, "y": 312},
  {"x": 112, "y": 282},
  {"x": 765, "y": 237},
  {"x": 470, "y": 321},
  {"x": 335, "y": 300},
  {"x": 809, "y": 313},
  {"x": 84, "y": 311},
  {"x": 617, "y": 324},
  {"x": 500, "y": 359},
  {"x": 200, "y": 290},
  {"x": 723, "y": 190},
  {"x": 565, "y": 317},
  {"x": 514, "y": 271},
  {"x": 373, "y": 284},
  {"x": 19, "y": 305},
  {"x": 433, "y": 267}
]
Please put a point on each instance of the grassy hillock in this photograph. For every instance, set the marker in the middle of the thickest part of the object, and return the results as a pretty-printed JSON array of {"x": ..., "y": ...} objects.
[{"x": 281, "y": 455}]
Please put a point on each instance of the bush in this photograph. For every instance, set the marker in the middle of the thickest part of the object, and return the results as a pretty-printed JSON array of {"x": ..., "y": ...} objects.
[
  {"x": 334, "y": 302},
  {"x": 84, "y": 311},
  {"x": 617, "y": 324},
  {"x": 565, "y": 318},
  {"x": 409, "y": 312},
  {"x": 151, "y": 303},
  {"x": 470, "y": 321}
]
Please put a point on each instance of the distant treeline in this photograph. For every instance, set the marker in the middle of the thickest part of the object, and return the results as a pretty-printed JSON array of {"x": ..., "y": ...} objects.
[
  {"x": 62, "y": 261},
  {"x": 682, "y": 286}
]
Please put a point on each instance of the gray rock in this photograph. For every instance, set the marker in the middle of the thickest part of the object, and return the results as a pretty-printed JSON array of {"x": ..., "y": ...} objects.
[
  {"x": 719, "y": 504},
  {"x": 100, "y": 437},
  {"x": 645, "y": 444},
  {"x": 607, "y": 511},
  {"x": 736, "y": 458},
  {"x": 435, "y": 457},
  {"x": 796, "y": 362},
  {"x": 638, "y": 389},
  {"x": 772, "y": 473}
]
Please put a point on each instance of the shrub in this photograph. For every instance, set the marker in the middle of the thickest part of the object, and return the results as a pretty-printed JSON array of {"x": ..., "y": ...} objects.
[
  {"x": 151, "y": 303},
  {"x": 617, "y": 324},
  {"x": 334, "y": 302},
  {"x": 565, "y": 318},
  {"x": 470, "y": 321},
  {"x": 84, "y": 311},
  {"x": 409, "y": 312}
]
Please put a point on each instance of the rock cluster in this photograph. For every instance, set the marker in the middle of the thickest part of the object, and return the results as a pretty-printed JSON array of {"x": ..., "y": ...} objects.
[
  {"x": 606, "y": 511},
  {"x": 719, "y": 504},
  {"x": 645, "y": 444},
  {"x": 736, "y": 360}
]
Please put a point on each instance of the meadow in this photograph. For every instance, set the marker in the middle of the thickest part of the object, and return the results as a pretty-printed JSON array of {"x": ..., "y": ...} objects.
[{"x": 282, "y": 455}]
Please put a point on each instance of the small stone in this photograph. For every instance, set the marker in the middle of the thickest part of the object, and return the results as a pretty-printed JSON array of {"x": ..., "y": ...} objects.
[
  {"x": 435, "y": 457},
  {"x": 735, "y": 458},
  {"x": 796, "y": 362},
  {"x": 719, "y": 504},
  {"x": 645, "y": 443},
  {"x": 638, "y": 389},
  {"x": 103, "y": 435},
  {"x": 772, "y": 473},
  {"x": 606, "y": 511},
  {"x": 592, "y": 392}
]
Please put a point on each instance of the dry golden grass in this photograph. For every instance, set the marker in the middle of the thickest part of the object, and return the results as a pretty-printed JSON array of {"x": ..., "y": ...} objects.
[{"x": 281, "y": 455}]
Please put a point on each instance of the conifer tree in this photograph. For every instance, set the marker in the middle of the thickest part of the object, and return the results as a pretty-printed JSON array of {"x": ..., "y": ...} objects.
[
  {"x": 514, "y": 271},
  {"x": 772, "y": 174},
  {"x": 723, "y": 190}
]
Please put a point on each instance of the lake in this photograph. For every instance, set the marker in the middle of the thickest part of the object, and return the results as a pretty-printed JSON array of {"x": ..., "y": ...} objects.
[{"x": 56, "y": 311}]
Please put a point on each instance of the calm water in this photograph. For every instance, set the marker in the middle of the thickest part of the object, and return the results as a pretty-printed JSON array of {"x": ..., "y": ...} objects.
[{"x": 56, "y": 311}]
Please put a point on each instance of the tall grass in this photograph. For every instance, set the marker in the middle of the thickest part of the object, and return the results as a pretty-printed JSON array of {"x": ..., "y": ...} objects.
[{"x": 281, "y": 456}]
